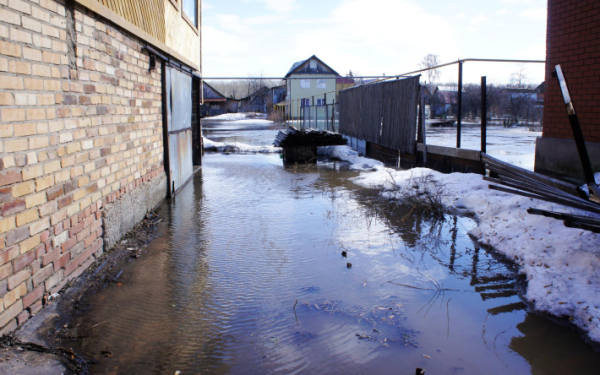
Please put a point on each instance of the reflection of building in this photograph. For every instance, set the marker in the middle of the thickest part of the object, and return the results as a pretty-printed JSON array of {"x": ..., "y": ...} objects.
[
  {"x": 555, "y": 151},
  {"x": 310, "y": 82},
  {"x": 98, "y": 113}
]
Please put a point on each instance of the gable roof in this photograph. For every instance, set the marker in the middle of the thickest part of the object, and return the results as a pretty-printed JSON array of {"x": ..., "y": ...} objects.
[
  {"x": 299, "y": 64},
  {"x": 211, "y": 94}
]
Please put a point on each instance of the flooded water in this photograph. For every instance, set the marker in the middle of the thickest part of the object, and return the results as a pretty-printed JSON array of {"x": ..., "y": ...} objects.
[
  {"x": 512, "y": 145},
  {"x": 259, "y": 269}
]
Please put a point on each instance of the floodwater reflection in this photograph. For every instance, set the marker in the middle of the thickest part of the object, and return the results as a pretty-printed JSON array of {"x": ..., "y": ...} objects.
[{"x": 247, "y": 276}]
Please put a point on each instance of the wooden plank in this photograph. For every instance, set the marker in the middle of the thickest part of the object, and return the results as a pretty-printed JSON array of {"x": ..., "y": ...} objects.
[
  {"x": 562, "y": 185},
  {"x": 564, "y": 216}
]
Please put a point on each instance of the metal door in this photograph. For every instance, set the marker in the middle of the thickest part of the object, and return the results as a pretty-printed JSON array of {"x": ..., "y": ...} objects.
[{"x": 179, "y": 128}]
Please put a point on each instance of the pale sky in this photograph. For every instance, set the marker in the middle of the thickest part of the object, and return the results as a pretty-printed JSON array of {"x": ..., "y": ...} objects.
[{"x": 372, "y": 37}]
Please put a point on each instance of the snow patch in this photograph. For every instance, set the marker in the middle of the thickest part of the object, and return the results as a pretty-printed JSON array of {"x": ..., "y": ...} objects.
[
  {"x": 561, "y": 265},
  {"x": 238, "y": 147},
  {"x": 345, "y": 153},
  {"x": 238, "y": 117}
]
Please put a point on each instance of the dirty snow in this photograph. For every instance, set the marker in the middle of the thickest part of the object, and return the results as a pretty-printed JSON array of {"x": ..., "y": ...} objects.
[
  {"x": 561, "y": 265},
  {"x": 345, "y": 153},
  {"x": 238, "y": 147}
]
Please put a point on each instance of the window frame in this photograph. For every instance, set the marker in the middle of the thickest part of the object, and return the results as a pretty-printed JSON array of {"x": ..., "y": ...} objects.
[{"x": 188, "y": 20}]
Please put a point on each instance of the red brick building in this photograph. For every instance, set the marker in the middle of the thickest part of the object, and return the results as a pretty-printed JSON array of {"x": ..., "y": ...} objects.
[{"x": 573, "y": 41}]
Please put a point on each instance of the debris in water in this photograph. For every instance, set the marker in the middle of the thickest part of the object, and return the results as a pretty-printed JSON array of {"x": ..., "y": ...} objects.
[
  {"x": 349, "y": 265},
  {"x": 106, "y": 353},
  {"x": 426, "y": 356}
]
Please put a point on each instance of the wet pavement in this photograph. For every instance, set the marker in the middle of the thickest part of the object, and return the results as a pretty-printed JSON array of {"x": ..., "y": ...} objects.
[{"x": 257, "y": 268}]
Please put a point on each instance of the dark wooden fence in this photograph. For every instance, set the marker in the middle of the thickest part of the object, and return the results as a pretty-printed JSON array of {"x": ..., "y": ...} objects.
[{"x": 382, "y": 113}]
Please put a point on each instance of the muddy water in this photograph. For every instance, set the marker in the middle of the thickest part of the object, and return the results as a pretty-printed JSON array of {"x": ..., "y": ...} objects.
[{"x": 247, "y": 276}]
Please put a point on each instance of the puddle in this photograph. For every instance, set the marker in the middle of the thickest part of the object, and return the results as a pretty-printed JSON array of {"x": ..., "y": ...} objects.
[{"x": 249, "y": 275}]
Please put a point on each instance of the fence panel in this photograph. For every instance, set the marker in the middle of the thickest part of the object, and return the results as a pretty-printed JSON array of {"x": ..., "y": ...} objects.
[{"x": 382, "y": 113}]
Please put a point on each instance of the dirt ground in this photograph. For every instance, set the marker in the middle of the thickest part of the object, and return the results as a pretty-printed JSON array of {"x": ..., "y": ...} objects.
[{"x": 41, "y": 345}]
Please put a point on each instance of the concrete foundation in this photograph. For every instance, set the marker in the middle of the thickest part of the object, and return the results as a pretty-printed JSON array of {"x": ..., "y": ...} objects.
[
  {"x": 120, "y": 216},
  {"x": 559, "y": 158}
]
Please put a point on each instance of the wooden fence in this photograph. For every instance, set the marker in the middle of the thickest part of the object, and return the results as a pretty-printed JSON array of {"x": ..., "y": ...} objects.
[{"x": 382, "y": 113}]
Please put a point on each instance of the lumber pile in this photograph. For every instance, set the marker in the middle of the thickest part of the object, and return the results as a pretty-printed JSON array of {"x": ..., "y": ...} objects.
[
  {"x": 516, "y": 180},
  {"x": 308, "y": 138}
]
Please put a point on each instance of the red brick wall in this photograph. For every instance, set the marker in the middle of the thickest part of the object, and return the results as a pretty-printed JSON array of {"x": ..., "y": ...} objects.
[
  {"x": 78, "y": 129},
  {"x": 573, "y": 41}
]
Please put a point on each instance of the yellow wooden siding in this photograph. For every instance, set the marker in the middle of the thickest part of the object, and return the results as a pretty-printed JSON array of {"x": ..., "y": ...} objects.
[{"x": 148, "y": 15}]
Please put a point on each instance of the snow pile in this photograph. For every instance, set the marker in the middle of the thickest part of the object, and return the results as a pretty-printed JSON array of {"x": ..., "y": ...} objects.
[
  {"x": 238, "y": 147},
  {"x": 562, "y": 265},
  {"x": 345, "y": 153},
  {"x": 238, "y": 117}
]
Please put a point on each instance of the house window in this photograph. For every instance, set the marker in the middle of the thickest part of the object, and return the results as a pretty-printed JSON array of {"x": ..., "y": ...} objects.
[
  {"x": 190, "y": 9},
  {"x": 321, "y": 83},
  {"x": 313, "y": 64},
  {"x": 320, "y": 101},
  {"x": 305, "y": 84},
  {"x": 304, "y": 102}
]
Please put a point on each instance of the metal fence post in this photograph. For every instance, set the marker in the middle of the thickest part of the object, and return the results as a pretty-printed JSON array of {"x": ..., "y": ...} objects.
[
  {"x": 459, "y": 111},
  {"x": 483, "y": 114}
]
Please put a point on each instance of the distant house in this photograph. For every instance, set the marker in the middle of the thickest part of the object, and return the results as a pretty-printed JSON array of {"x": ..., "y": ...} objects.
[
  {"x": 310, "y": 81},
  {"x": 255, "y": 102},
  {"x": 444, "y": 102},
  {"x": 214, "y": 103},
  {"x": 233, "y": 105},
  {"x": 343, "y": 84}
]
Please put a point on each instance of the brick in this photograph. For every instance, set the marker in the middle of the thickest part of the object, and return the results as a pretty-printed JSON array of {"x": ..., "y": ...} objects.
[
  {"x": 44, "y": 183},
  {"x": 6, "y": 98},
  {"x": 27, "y": 217},
  {"x": 69, "y": 244},
  {"x": 60, "y": 239},
  {"x": 33, "y": 296},
  {"x": 10, "y": 17},
  {"x": 17, "y": 235},
  {"x": 13, "y": 114},
  {"x": 22, "y": 317},
  {"x": 25, "y": 188},
  {"x": 20, "y": 5},
  {"x": 23, "y": 261},
  {"x": 39, "y": 277},
  {"x": 29, "y": 244},
  {"x": 33, "y": 172},
  {"x": 11, "y": 313},
  {"x": 23, "y": 130},
  {"x": 8, "y": 255},
  {"x": 39, "y": 226},
  {"x": 17, "y": 279},
  {"x": 7, "y": 224},
  {"x": 11, "y": 208},
  {"x": 36, "y": 114},
  {"x": 5, "y": 194},
  {"x": 20, "y": 36},
  {"x": 31, "y": 24},
  {"x": 10, "y": 177},
  {"x": 11, "y": 83},
  {"x": 61, "y": 261},
  {"x": 10, "y": 49}
]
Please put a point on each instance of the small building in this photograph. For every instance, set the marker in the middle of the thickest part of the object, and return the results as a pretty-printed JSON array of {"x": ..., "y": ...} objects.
[
  {"x": 276, "y": 96},
  {"x": 214, "y": 103},
  {"x": 444, "y": 102},
  {"x": 343, "y": 83},
  {"x": 310, "y": 82},
  {"x": 255, "y": 102},
  {"x": 233, "y": 105}
]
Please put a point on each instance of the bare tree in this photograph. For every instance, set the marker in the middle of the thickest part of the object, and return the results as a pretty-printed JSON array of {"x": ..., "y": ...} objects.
[
  {"x": 432, "y": 75},
  {"x": 519, "y": 78}
]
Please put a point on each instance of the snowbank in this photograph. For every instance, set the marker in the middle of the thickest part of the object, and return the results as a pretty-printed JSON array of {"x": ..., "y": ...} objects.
[
  {"x": 345, "y": 153},
  {"x": 238, "y": 147},
  {"x": 562, "y": 265},
  {"x": 238, "y": 117}
]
